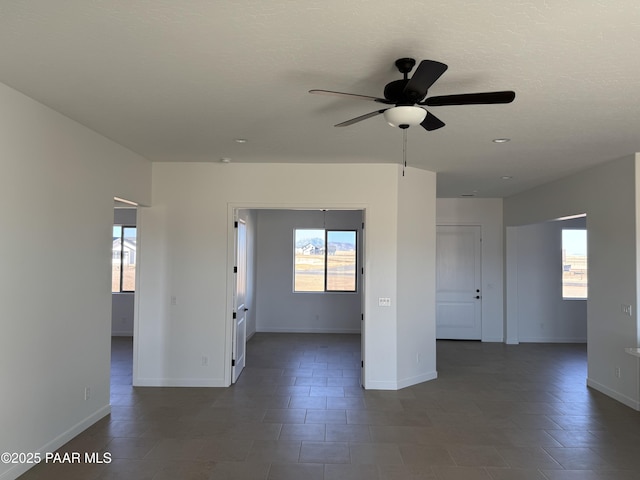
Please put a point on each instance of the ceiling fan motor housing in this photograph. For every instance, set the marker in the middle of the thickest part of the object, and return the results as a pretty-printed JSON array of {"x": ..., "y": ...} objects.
[{"x": 394, "y": 92}]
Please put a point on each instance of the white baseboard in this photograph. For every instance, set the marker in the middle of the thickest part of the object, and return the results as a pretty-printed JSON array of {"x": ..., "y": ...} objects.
[
  {"x": 307, "y": 330},
  {"x": 179, "y": 382},
  {"x": 405, "y": 382},
  {"x": 379, "y": 385},
  {"x": 425, "y": 377},
  {"x": 628, "y": 401},
  {"x": 552, "y": 340},
  {"x": 59, "y": 441}
]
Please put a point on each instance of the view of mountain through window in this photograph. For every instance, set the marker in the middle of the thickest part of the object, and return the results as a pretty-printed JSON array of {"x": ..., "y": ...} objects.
[{"x": 324, "y": 260}]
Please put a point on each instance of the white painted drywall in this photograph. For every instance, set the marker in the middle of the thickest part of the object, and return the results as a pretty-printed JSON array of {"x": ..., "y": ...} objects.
[
  {"x": 278, "y": 308},
  {"x": 125, "y": 216},
  {"x": 122, "y": 304},
  {"x": 543, "y": 315},
  {"x": 185, "y": 238},
  {"x": 56, "y": 290},
  {"x": 487, "y": 213},
  {"x": 416, "y": 312},
  {"x": 122, "y": 310},
  {"x": 607, "y": 194}
]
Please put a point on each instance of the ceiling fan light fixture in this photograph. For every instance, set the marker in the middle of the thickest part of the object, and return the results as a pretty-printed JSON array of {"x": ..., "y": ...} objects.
[{"x": 405, "y": 116}]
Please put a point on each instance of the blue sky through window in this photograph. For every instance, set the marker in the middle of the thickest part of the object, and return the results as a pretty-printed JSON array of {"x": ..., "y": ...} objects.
[{"x": 574, "y": 242}]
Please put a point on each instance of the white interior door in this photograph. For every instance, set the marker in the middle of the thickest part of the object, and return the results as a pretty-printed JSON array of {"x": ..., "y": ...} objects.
[
  {"x": 361, "y": 254},
  {"x": 240, "y": 309},
  {"x": 458, "y": 281}
]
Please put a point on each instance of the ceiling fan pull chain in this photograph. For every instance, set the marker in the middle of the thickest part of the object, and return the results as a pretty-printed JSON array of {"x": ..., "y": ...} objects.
[{"x": 404, "y": 150}]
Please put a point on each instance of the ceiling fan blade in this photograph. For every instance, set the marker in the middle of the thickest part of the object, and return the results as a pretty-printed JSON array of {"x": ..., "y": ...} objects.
[
  {"x": 360, "y": 118},
  {"x": 425, "y": 75},
  {"x": 471, "y": 99},
  {"x": 351, "y": 95},
  {"x": 431, "y": 122}
]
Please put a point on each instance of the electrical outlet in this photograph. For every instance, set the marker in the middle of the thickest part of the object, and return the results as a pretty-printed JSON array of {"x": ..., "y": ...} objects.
[
  {"x": 618, "y": 372},
  {"x": 87, "y": 393},
  {"x": 384, "y": 302},
  {"x": 205, "y": 361},
  {"x": 626, "y": 309},
  {"x": 173, "y": 300}
]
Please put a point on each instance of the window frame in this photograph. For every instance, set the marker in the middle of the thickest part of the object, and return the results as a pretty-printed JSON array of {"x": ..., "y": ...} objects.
[
  {"x": 121, "y": 258},
  {"x": 326, "y": 231},
  {"x": 563, "y": 262}
]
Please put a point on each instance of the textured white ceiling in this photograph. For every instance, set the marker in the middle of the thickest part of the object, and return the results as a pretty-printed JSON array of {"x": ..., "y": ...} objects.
[{"x": 179, "y": 80}]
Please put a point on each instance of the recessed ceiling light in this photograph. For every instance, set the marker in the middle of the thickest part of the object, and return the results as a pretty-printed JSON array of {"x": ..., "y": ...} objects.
[
  {"x": 506, "y": 177},
  {"x": 241, "y": 140},
  {"x": 501, "y": 140},
  {"x": 225, "y": 160}
]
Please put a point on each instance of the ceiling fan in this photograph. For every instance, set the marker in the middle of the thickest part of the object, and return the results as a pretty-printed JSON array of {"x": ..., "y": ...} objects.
[{"x": 408, "y": 96}]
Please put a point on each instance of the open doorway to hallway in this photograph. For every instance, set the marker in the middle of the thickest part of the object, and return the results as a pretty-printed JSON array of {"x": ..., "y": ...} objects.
[
  {"x": 297, "y": 265},
  {"x": 123, "y": 286},
  {"x": 541, "y": 272}
]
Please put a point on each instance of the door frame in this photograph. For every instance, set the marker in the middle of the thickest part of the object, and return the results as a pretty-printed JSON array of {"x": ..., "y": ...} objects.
[{"x": 232, "y": 216}]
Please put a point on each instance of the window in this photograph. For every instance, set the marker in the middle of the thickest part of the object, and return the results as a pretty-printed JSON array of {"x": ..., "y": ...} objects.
[
  {"x": 324, "y": 260},
  {"x": 123, "y": 263},
  {"x": 574, "y": 264}
]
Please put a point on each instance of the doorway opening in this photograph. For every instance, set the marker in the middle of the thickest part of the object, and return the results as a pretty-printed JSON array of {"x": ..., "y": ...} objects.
[
  {"x": 538, "y": 311},
  {"x": 264, "y": 251},
  {"x": 123, "y": 288}
]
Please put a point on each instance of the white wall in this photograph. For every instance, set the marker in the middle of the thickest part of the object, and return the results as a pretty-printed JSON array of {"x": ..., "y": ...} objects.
[
  {"x": 56, "y": 289},
  {"x": 124, "y": 216},
  {"x": 607, "y": 194},
  {"x": 543, "y": 315},
  {"x": 487, "y": 213},
  {"x": 122, "y": 304},
  {"x": 416, "y": 289},
  {"x": 278, "y": 308},
  {"x": 122, "y": 310},
  {"x": 185, "y": 238}
]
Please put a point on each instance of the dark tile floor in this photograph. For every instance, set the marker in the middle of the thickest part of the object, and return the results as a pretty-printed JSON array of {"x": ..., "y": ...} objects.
[{"x": 496, "y": 412}]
